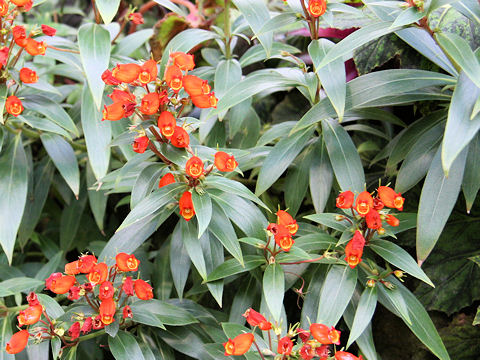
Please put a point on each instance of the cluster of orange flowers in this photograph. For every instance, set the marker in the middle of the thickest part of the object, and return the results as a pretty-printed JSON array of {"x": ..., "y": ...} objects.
[
  {"x": 283, "y": 230},
  {"x": 369, "y": 210},
  {"x": 306, "y": 348},
  {"x": 109, "y": 301}
]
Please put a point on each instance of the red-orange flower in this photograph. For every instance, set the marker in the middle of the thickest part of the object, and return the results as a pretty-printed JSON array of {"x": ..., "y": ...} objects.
[
  {"x": 59, "y": 284},
  {"x": 28, "y": 76},
  {"x": 285, "y": 346},
  {"x": 4, "y": 52},
  {"x": 173, "y": 77},
  {"x": 122, "y": 96},
  {"x": 34, "y": 47},
  {"x": 98, "y": 274},
  {"x": 113, "y": 112},
  {"x": 254, "y": 318},
  {"x": 126, "y": 72},
  {"x": 143, "y": 290},
  {"x": 343, "y": 355},
  {"x": 19, "y": 35},
  {"x": 148, "y": 72},
  {"x": 136, "y": 18},
  {"x": 195, "y": 86},
  {"x": 283, "y": 238},
  {"x": 19, "y": 2},
  {"x": 364, "y": 203},
  {"x": 325, "y": 335},
  {"x": 28, "y": 6},
  {"x": 87, "y": 325},
  {"x": 186, "y": 206},
  {"x": 317, "y": 8},
  {"x": 127, "y": 262},
  {"x": 3, "y": 8},
  {"x": 354, "y": 249},
  {"x": 194, "y": 167},
  {"x": 390, "y": 198},
  {"x": 72, "y": 268},
  {"x": 140, "y": 144},
  {"x": 86, "y": 263},
  {"x": 17, "y": 342},
  {"x": 184, "y": 61},
  {"x": 392, "y": 220},
  {"x": 48, "y": 30},
  {"x": 166, "y": 123},
  {"x": 107, "y": 311},
  {"x": 166, "y": 179},
  {"x": 180, "y": 137},
  {"x": 378, "y": 204},
  {"x": 127, "y": 312},
  {"x": 225, "y": 162},
  {"x": 30, "y": 315},
  {"x": 373, "y": 219},
  {"x": 127, "y": 286},
  {"x": 13, "y": 105},
  {"x": 285, "y": 219},
  {"x": 32, "y": 299},
  {"x": 150, "y": 103},
  {"x": 74, "y": 331},
  {"x": 108, "y": 78},
  {"x": 205, "y": 101},
  {"x": 345, "y": 200},
  {"x": 106, "y": 290},
  {"x": 239, "y": 345}
]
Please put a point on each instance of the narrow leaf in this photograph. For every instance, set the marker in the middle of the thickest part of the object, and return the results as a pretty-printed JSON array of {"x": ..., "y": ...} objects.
[
  {"x": 203, "y": 210},
  {"x": 274, "y": 288},
  {"x": 124, "y": 346},
  {"x": 363, "y": 315},
  {"x": 107, "y": 9}
]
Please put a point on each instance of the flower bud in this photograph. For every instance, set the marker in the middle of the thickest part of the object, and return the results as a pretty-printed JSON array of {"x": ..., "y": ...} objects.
[{"x": 371, "y": 283}]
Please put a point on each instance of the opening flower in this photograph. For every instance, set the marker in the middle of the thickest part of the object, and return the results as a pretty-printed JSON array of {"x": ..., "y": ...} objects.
[
  {"x": 225, "y": 162},
  {"x": 148, "y": 72},
  {"x": 364, "y": 203},
  {"x": 285, "y": 219},
  {"x": 143, "y": 290},
  {"x": 254, "y": 318},
  {"x": 180, "y": 138},
  {"x": 373, "y": 219},
  {"x": 34, "y": 47},
  {"x": 186, "y": 206},
  {"x": 127, "y": 262},
  {"x": 345, "y": 200},
  {"x": 13, "y": 105},
  {"x": 59, "y": 284},
  {"x": 317, "y": 8},
  {"x": 150, "y": 103},
  {"x": 325, "y": 335},
  {"x": 354, "y": 249},
  {"x": 126, "y": 73},
  {"x": 195, "y": 86},
  {"x": 283, "y": 238},
  {"x": 390, "y": 198},
  {"x": 166, "y": 123},
  {"x": 239, "y": 345},
  {"x": 173, "y": 77},
  {"x": 28, "y": 76},
  {"x": 106, "y": 290},
  {"x": 98, "y": 274},
  {"x": 184, "y": 61},
  {"x": 17, "y": 342},
  {"x": 30, "y": 315},
  {"x": 140, "y": 144},
  {"x": 194, "y": 167},
  {"x": 285, "y": 346},
  {"x": 107, "y": 311}
]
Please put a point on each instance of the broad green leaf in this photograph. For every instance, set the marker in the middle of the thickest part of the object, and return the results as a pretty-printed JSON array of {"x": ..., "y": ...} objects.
[
  {"x": 320, "y": 177},
  {"x": 97, "y": 199},
  {"x": 193, "y": 247},
  {"x": 221, "y": 227},
  {"x": 44, "y": 124},
  {"x": 146, "y": 181},
  {"x": 124, "y": 346},
  {"x": 332, "y": 76},
  {"x": 163, "y": 282},
  {"x": 13, "y": 192},
  {"x": 52, "y": 307},
  {"x": 63, "y": 156},
  {"x": 344, "y": 157},
  {"x": 112, "y": 329},
  {"x": 329, "y": 220},
  {"x": 460, "y": 129},
  {"x": 194, "y": 347},
  {"x": 438, "y": 197},
  {"x": 460, "y": 52},
  {"x": 70, "y": 220},
  {"x": 167, "y": 313},
  {"x": 203, "y": 210},
  {"x": 145, "y": 316},
  {"x": 398, "y": 257},
  {"x": 471, "y": 178},
  {"x": 335, "y": 294},
  {"x": 227, "y": 74},
  {"x": 132, "y": 42},
  {"x": 469, "y": 9},
  {"x": 279, "y": 158},
  {"x": 231, "y": 267},
  {"x": 94, "y": 45},
  {"x": 107, "y": 9},
  {"x": 179, "y": 261},
  {"x": 363, "y": 315},
  {"x": 97, "y": 135},
  {"x": 274, "y": 289},
  {"x": 19, "y": 284}
]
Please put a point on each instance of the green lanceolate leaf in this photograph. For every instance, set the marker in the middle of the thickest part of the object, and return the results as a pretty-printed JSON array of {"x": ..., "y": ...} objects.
[
  {"x": 329, "y": 220},
  {"x": 203, "y": 210},
  {"x": 274, "y": 288},
  {"x": 228, "y": 74},
  {"x": 460, "y": 129},
  {"x": 124, "y": 346},
  {"x": 231, "y": 267},
  {"x": 408, "y": 16},
  {"x": 344, "y": 157},
  {"x": 13, "y": 193},
  {"x": 94, "y": 45},
  {"x": 439, "y": 195},
  {"x": 107, "y": 9},
  {"x": 320, "y": 177},
  {"x": 97, "y": 199},
  {"x": 18, "y": 284},
  {"x": 363, "y": 315},
  {"x": 335, "y": 294},
  {"x": 167, "y": 313},
  {"x": 179, "y": 261},
  {"x": 193, "y": 246},
  {"x": 471, "y": 178},
  {"x": 63, "y": 156}
]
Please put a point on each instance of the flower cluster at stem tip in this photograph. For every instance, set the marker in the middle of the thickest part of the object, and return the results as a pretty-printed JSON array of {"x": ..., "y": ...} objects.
[{"x": 106, "y": 289}]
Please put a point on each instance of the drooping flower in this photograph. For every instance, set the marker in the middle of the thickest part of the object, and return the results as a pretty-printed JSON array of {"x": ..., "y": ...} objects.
[
  {"x": 283, "y": 238},
  {"x": 194, "y": 167},
  {"x": 17, "y": 342},
  {"x": 354, "y": 249},
  {"x": 107, "y": 311},
  {"x": 74, "y": 331},
  {"x": 173, "y": 78},
  {"x": 59, "y": 284},
  {"x": 166, "y": 179},
  {"x": 343, "y": 355},
  {"x": 28, "y": 76},
  {"x": 106, "y": 290},
  {"x": 19, "y": 2},
  {"x": 205, "y": 101},
  {"x": 239, "y": 345},
  {"x": 285, "y": 219},
  {"x": 71, "y": 268},
  {"x": 390, "y": 198},
  {"x": 113, "y": 112},
  {"x": 285, "y": 346},
  {"x": 87, "y": 326},
  {"x": 196, "y": 86},
  {"x": 19, "y": 35},
  {"x": 364, "y": 203},
  {"x": 3, "y": 8},
  {"x": 86, "y": 263},
  {"x": 13, "y": 105},
  {"x": 148, "y": 72},
  {"x": 373, "y": 219},
  {"x": 225, "y": 162},
  {"x": 48, "y": 30},
  {"x": 184, "y": 61},
  {"x": 392, "y": 220},
  {"x": 143, "y": 290},
  {"x": 254, "y": 318},
  {"x": 98, "y": 274},
  {"x": 108, "y": 78},
  {"x": 345, "y": 200},
  {"x": 127, "y": 286},
  {"x": 325, "y": 335},
  {"x": 127, "y": 262},
  {"x": 4, "y": 55},
  {"x": 150, "y": 103},
  {"x": 74, "y": 293},
  {"x": 126, "y": 73},
  {"x": 127, "y": 312},
  {"x": 186, "y": 206},
  {"x": 34, "y": 47},
  {"x": 180, "y": 137},
  {"x": 32, "y": 299},
  {"x": 30, "y": 315},
  {"x": 317, "y": 8},
  {"x": 140, "y": 144},
  {"x": 166, "y": 123}
]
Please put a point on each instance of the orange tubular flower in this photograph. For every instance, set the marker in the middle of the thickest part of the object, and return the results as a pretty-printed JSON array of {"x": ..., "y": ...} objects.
[
  {"x": 325, "y": 335},
  {"x": 19, "y": 2},
  {"x": 180, "y": 137},
  {"x": 108, "y": 78},
  {"x": 150, "y": 103},
  {"x": 317, "y": 8},
  {"x": 140, "y": 144},
  {"x": 143, "y": 290},
  {"x": 194, "y": 167},
  {"x": 98, "y": 274},
  {"x": 59, "y": 284},
  {"x": 285, "y": 219},
  {"x": 13, "y": 105},
  {"x": 30, "y": 315},
  {"x": 195, "y": 86},
  {"x": 113, "y": 112},
  {"x": 205, "y": 101},
  {"x": 148, "y": 72},
  {"x": 285, "y": 346},
  {"x": 166, "y": 179},
  {"x": 107, "y": 311},
  {"x": 186, "y": 206},
  {"x": 72, "y": 268},
  {"x": 392, "y": 220},
  {"x": 173, "y": 77},
  {"x": 17, "y": 342},
  {"x": 225, "y": 162},
  {"x": 390, "y": 198},
  {"x": 34, "y": 47},
  {"x": 373, "y": 219},
  {"x": 127, "y": 262},
  {"x": 364, "y": 203},
  {"x": 127, "y": 312},
  {"x": 256, "y": 319},
  {"x": 343, "y": 355},
  {"x": 106, "y": 290},
  {"x": 48, "y": 30},
  {"x": 345, "y": 200},
  {"x": 184, "y": 61},
  {"x": 136, "y": 18},
  {"x": 86, "y": 263},
  {"x": 354, "y": 249},
  {"x": 3, "y": 8},
  {"x": 19, "y": 35},
  {"x": 28, "y": 76},
  {"x": 126, "y": 73},
  {"x": 123, "y": 97},
  {"x": 166, "y": 123},
  {"x": 239, "y": 345},
  {"x": 283, "y": 238}
]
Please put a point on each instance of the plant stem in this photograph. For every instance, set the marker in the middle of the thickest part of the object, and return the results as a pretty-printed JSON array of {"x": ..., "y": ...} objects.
[
  {"x": 258, "y": 349},
  {"x": 228, "y": 37}
]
